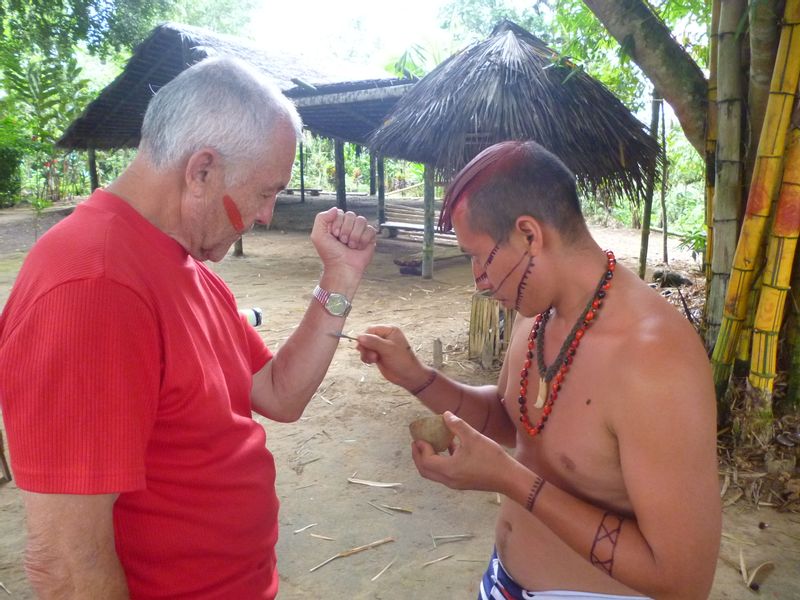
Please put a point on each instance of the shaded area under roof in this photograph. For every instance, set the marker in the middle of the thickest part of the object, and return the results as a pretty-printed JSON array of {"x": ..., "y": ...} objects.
[
  {"x": 512, "y": 86},
  {"x": 335, "y": 99}
]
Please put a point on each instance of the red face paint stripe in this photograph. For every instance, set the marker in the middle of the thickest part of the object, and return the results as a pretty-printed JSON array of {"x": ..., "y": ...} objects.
[{"x": 234, "y": 216}]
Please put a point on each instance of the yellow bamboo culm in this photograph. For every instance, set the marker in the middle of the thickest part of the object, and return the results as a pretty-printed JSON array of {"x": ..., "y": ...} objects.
[
  {"x": 711, "y": 136},
  {"x": 775, "y": 282},
  {"x": 763, "y": 190}
]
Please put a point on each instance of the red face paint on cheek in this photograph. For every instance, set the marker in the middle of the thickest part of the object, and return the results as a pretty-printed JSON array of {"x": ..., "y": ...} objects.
[{"x": 234, "y": 216}]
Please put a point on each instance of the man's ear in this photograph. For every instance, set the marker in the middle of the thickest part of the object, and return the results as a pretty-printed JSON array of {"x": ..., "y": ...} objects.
[
  {"x": 202, "y": 170},
  {"x": 531, "y": 230}
]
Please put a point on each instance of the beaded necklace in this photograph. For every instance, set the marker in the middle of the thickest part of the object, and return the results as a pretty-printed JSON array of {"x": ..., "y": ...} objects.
[{"x": 560, "y": 366}]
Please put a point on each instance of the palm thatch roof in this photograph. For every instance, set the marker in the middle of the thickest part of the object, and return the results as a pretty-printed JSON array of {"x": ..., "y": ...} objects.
[
  {"x": 114, "y": 118},
  {"x": 512, "y": 86}
]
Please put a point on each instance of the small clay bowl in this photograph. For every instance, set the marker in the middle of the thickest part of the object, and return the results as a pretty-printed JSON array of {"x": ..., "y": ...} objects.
[{"x": 433, "y": 430}]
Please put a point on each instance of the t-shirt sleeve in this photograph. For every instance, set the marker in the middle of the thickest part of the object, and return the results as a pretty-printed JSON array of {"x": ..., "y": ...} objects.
[
  {"x": 81, "y": 371},
  {"x": 259, "y": 353}
]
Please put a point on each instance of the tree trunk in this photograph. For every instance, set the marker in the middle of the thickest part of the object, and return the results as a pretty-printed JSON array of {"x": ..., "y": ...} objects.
[
  {"x": 676, "y": 77},
  {"x": 664, "y": 173},
  {"x": 648, "y": 196},
  {"x": 728, "y": 185}
]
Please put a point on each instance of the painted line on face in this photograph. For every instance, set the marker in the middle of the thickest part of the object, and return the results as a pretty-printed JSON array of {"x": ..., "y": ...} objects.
[{"x": 234, "y": 216}]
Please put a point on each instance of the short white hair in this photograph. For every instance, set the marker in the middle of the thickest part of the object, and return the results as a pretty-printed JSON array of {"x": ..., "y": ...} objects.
[{"x": 220, "y": 103}]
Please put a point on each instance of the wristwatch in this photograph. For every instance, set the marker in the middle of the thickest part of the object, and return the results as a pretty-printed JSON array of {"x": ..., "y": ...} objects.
[{"x": 336, "y": 304}]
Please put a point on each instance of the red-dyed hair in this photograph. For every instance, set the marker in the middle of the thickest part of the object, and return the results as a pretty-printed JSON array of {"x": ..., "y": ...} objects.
[{"x": 510, "y": 179}]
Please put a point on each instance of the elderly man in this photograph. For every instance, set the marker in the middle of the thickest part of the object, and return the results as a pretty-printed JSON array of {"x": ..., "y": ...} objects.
[
  {"x": 128, "y": 376},
  {"x": 605, "y": 394}
]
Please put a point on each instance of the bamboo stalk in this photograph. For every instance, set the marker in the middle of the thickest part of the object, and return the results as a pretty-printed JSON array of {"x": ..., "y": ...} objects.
[
  {"x": 777, "y": 275},
  {"x": 766, "y": 180},
  {"x": 727, "y": 185},
  {"x": 711, "y": 139}
]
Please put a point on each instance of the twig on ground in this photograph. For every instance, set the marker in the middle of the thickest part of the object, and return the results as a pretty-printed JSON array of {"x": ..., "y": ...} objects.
[
  {"x": 352, "y": 551},
  {"x": 384, "y": 569},
  {"x": 436, "y": 560}
]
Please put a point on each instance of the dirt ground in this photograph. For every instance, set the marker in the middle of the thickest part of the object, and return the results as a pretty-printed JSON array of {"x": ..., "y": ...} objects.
[{"x": 356, "y": 426}]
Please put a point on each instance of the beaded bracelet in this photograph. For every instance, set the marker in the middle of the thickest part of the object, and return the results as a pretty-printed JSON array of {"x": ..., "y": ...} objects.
[
  {"x": 425, "y": 385},
  {"x": 534, "y": 493}
]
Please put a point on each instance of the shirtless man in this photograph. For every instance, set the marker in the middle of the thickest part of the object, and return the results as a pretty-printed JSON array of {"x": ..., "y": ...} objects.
[{"x": 612, "y": 490}]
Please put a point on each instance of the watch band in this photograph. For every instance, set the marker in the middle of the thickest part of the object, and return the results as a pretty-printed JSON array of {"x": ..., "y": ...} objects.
[
  {"x": 322, "y": 295},
  {"x": 336, "y": 304}
]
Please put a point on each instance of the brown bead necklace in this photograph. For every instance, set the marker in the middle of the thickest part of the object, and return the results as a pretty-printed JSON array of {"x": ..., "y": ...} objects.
[{"x": 561, "y": 364}]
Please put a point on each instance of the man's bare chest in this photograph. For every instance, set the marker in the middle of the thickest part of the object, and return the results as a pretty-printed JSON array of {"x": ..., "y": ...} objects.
[{"x": 576, "y": 449}]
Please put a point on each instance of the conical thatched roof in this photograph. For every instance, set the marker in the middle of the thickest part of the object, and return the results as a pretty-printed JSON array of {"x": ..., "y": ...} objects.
[
  {"x": 509, "y": 87},
  {"x": 319, "y": 87}
]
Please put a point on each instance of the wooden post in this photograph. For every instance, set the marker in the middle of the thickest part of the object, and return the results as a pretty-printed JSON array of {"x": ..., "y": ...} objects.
[
  {"x": 341, "y": 190},
  {"x": 302, "y": 173},
  {"x": 372, "y": 174},
  {"x": 427, "y": 238},
  {"x": 238, "y": 248},
  {"x": 93, "y": 169},
  {"x": 381, "y": 190}
]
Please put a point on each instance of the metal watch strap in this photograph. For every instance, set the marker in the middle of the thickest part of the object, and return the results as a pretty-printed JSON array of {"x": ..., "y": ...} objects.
[{"x": 327, "y": 298}]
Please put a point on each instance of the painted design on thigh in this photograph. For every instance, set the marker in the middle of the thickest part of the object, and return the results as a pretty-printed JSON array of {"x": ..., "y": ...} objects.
[{"x": 605, "y": 542}]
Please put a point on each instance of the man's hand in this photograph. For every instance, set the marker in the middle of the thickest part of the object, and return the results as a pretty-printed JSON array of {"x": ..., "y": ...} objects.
[
  {"x": 387, "y": 347},
  {"x": 344, "y": 241},
  {"x": 475, "y": 462}
]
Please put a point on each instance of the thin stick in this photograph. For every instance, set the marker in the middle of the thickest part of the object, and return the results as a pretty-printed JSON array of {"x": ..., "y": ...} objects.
[
  {"x": 379, "y": 484},
  {"x": 352, "y": 551},
  {"x": 5, "y": 589},
  {"x": 383, "y": 570},
  {"x": 302, "y": 529},
  {"x": 322, "y": 537},
  {"x": 398, "y": 508},
  {"x": 451, "y": 538},
  {"x": 343, "y": 335},
  {"x": 430, "y": 562},
  {"x": 383, "y": 510}
]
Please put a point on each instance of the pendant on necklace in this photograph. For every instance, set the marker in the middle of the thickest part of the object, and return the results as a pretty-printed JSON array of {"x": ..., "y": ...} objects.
[{"x": 542, "y": 396}]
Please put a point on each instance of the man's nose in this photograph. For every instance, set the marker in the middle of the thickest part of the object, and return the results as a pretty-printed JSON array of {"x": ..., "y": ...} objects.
[{"x": 264, "y": 216}]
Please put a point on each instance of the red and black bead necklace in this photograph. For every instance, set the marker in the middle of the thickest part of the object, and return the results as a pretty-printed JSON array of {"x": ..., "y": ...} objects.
[{"x": 561, "y": 364}]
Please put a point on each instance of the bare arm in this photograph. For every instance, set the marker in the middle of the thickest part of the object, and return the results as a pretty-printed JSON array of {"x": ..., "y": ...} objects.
[
  {"x": 480, "y": 406},
  {"x": 284, "y": 386},
  {"x": 70, "y": 552}
]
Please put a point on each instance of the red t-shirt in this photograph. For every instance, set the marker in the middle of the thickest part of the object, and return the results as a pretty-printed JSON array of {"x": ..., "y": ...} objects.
[{"x": 126, "y": 368}]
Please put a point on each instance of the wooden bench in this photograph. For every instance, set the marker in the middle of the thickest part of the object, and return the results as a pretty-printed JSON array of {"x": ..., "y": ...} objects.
[
  {"x": 309, "y": 191},
  {"x": 403, "y": 217}
]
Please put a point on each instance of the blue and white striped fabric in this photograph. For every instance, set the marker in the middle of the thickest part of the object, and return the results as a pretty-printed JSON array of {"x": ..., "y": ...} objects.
[{"x": 498, "y": 585}]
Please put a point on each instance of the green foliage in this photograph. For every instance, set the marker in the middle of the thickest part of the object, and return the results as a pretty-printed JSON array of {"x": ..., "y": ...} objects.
[{"x": 10, "y": 182}]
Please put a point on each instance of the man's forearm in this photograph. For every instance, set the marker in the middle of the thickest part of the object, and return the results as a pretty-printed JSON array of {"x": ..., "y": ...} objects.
[
  {"x": 74, "y": 575},
  {"x": 283, "y": 389},
  {"x": 479, "y": 406}
]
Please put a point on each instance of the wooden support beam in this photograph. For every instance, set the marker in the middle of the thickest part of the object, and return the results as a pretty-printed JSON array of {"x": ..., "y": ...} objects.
[
  {"x": 381, "y": 189},
  {"x": 427, "y": 239},
  {"x": 341, "y": 189}
]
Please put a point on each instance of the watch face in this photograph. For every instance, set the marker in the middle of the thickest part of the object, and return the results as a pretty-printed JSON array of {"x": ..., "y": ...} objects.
[{"x": 337, "y": 304}]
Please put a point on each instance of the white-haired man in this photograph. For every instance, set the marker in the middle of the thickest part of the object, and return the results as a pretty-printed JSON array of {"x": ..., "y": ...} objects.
[{"x": 129, "y": 377}]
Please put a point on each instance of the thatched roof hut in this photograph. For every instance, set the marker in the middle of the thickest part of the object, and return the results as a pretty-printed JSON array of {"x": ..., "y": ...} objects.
[
  {"x": 512, "y": 86},
  {"x": 335, "y": 99}
]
